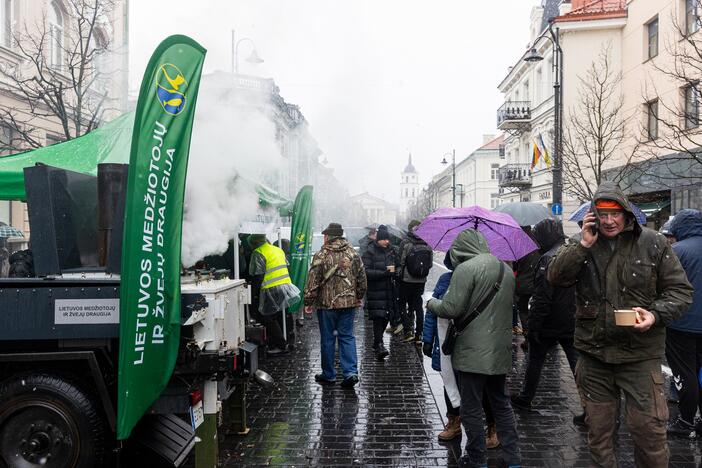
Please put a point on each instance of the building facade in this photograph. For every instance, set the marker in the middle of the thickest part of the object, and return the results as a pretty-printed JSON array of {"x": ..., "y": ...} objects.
[
  {"x": 367, "y": 209},
  {"x": 650, "y": 45},
  {"x": 476, "y": 180},
  {"x": 61, "y": 27},
  {"x": 527, "y": 118}
]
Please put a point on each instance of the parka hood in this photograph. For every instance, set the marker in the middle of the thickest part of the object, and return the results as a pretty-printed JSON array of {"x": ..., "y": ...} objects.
[
  {"x": 687, "y": 223},
  {"x": 337, "y": 244},
  {"x": 548, "y": 233},
  {"x": 469, "y": 243},
  {"x": 609, "y": 190}
]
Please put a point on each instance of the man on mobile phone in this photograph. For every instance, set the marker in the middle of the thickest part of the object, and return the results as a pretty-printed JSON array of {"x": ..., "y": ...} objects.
[{"x": 621, "y": 266}]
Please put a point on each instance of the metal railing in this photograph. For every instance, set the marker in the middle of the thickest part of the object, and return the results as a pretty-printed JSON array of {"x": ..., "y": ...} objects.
[
  {"x": 514, "y": 175},
  {"x": 514, "y": 111}
]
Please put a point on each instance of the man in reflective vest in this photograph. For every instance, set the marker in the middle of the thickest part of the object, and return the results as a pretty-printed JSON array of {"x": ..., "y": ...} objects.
[{"x": 272, "y": 286}]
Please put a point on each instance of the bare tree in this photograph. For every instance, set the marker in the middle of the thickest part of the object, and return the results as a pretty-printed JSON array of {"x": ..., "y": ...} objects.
[
  {"x": 676, "y": 144},
  {"x": 59, "y": 78},
  {"x": 595, "y": 132}
]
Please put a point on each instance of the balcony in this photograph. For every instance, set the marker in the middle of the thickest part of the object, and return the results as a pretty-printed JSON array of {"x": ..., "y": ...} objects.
[
  {"x": 514, "y": 175},
  {"x": 513, "y": 115}
]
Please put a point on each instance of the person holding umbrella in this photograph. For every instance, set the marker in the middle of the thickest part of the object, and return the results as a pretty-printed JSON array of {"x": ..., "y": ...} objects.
[{"x": 482, "y": 288}]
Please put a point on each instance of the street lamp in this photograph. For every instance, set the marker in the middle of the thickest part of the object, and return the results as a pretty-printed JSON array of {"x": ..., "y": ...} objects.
[
  {"x": 453, "y": 178},
  {"x": 252, "y": 58},
  {"x": 534, "y": 56}
]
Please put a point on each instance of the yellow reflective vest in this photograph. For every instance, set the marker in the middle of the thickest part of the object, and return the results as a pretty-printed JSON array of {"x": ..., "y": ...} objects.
[{"x": 276, "y": 266}]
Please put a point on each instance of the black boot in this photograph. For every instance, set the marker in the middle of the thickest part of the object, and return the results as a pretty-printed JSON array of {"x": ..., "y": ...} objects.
[{"x": 380, "y": 352}]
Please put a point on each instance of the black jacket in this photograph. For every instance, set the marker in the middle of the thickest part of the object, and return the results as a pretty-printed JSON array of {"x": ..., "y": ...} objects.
[
  {"x": 525, "y": 268},
  {"x": 552, "y": 312},
  {"x": 382, "y": 293}
]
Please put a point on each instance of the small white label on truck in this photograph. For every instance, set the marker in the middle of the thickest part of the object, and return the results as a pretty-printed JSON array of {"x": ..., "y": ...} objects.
[{"x": 86, "y": 311}]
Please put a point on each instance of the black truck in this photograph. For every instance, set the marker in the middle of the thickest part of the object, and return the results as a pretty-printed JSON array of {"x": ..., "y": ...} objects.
[{"x": 59, "y": 340}]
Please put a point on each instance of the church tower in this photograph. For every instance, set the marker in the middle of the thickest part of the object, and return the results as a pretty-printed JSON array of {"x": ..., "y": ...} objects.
[{"x": 409, "y": 187}]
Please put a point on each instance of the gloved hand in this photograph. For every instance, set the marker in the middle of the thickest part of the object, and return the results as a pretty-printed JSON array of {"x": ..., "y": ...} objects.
[{"x": 427, "y": 349}]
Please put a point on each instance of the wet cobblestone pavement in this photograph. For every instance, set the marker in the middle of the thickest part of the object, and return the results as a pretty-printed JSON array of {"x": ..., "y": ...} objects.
[{"x": 393, "y": 415}]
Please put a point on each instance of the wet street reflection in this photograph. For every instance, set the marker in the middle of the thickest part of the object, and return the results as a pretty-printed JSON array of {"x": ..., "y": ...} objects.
[{"x": 394, "y": 414}]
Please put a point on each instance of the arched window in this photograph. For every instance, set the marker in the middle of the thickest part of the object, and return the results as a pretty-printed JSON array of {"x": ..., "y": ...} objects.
[
  {"x": 56, "y": 34},
  {"x": 100, "y": 59}
]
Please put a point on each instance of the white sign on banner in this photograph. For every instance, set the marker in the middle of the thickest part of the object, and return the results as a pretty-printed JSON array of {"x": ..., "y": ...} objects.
[{"x": 86, "y": 311}]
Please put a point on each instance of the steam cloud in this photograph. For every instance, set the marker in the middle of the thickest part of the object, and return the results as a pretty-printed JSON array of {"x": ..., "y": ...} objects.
[{"x": 231, "y": 138}]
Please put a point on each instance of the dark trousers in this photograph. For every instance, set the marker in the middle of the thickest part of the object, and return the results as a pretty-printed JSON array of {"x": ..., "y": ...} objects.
[
  {"x": 379, "y": 326},
  {"x": 450, "y": 410},
  {"x": 523, "y": 306},
  {"x": 683, "y": 351},
  {"x": 472, "y": 387},
  {"x": 538, "y": 350},
  {"x": 411, "y": 307},
  {"x": 274, "y": 329}
]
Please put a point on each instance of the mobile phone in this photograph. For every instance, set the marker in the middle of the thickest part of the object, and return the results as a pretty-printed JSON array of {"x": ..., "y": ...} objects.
[{"x": 594, "y": 229}]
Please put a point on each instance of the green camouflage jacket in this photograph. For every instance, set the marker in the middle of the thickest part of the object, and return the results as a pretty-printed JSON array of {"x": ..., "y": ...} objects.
[
  {"x": 636, "y": 269},
  {"x": 337, "y": 279}
]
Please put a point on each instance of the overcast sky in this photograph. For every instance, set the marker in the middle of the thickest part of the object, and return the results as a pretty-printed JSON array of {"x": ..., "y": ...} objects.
[{"x": 375, "y": 79}]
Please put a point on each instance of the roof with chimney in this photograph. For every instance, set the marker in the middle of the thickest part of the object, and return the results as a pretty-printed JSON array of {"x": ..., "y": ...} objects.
[
  {"x": 409, "y": 169},
  {"x": 586, "y": 10}
]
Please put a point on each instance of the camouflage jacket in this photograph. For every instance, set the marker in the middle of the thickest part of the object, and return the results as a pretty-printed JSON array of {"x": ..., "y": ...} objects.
[{"x": 337, "y": 279}]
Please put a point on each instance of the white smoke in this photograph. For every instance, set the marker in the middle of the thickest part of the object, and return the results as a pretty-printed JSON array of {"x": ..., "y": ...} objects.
[{"x": 232, "y": 138}]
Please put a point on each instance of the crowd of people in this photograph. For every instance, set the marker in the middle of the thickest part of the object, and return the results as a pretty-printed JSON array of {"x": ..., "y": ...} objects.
[{"x": 575, "y": 293}]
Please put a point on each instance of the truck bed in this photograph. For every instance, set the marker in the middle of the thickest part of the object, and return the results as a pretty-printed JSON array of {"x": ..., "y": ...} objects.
[{"x": 48, "y": 309}]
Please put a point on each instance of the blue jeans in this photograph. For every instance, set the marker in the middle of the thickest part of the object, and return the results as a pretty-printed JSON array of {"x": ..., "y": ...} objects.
[{"x": 340, "y": 320}]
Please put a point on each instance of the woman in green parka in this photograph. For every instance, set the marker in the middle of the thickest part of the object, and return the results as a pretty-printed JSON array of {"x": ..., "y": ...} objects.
[{"x": 483, "y": 351}]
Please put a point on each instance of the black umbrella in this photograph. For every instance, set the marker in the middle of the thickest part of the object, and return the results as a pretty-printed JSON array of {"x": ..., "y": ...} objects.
[{"x": 396, "y": 233}]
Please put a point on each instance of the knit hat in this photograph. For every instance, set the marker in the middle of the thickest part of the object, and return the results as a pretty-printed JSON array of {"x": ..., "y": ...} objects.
[
  {"x": 413, "y": 224},
  {"x": 604, "y": 204},
  {"x": 334, "y": 230},
  {"x": 383, "y": 233}
]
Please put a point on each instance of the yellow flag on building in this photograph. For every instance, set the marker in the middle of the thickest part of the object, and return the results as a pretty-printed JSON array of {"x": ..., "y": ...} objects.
[{"x": 543, "y": 150}]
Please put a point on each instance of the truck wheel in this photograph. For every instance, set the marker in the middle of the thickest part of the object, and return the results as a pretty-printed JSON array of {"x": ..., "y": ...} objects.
[{"x": 47, "y": 421}]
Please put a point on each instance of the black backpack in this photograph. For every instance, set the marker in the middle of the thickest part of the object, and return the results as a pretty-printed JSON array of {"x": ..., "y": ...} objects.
[{"x": 419, "y": 260}]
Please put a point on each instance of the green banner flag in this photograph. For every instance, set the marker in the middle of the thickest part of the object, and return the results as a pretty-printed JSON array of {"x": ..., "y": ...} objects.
[
  {"x": 150, "y": 282},
  {"x": 301, "y": 242}
]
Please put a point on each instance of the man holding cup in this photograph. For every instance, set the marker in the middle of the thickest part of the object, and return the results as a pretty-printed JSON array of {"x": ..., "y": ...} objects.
[{"x": 617, "y": 265}]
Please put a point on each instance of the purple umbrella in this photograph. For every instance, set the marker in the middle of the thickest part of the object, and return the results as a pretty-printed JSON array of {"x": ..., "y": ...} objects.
[{"x": 505, "y": 238}]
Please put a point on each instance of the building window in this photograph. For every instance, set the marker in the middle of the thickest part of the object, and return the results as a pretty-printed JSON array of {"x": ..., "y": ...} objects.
[
  {"x": 494, "y": 168},
  {"x": 692, "y": 17},
  {"x": 652, "y": 28},
  {"x": 494, "y": 200},
  {"x": 53, "y": 139},
  {"x": 56, "y": 34},
  {"x": 652, "y": 120},
  {"x": 502, "y": 151},
  {"x": 413, "y": 193},
  {"x": 691, "y": 96}
]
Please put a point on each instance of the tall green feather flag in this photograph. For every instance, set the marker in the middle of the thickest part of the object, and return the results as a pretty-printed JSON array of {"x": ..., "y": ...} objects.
[
  {"x": 150, "y": 281},
  {"x": 301, "y": 242}
]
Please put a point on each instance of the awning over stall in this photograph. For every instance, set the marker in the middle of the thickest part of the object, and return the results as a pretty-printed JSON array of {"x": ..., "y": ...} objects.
[{"x": 110, "y": 143}]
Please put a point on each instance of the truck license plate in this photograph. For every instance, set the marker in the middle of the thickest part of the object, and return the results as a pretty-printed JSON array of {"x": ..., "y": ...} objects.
[{"x": 197, "y": 415}]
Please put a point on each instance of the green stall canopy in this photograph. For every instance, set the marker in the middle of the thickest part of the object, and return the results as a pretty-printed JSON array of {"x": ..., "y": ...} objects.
[{"x": 107, "y": 144}]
